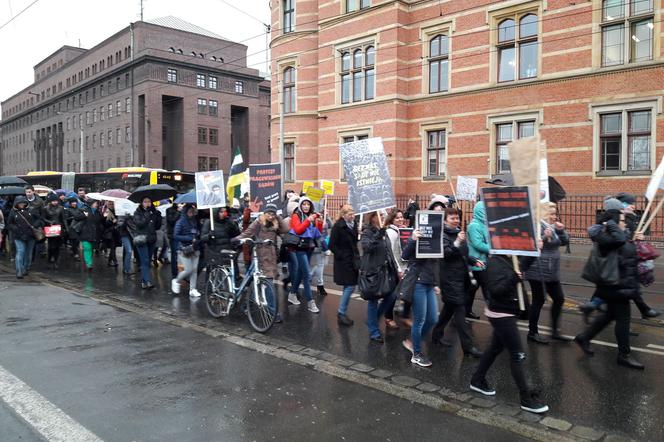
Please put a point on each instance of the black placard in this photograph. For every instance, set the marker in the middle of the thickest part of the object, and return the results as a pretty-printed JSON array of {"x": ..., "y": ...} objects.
[
  {"x": 265, "y": 184},
  {"x": 430, "y": 224}
]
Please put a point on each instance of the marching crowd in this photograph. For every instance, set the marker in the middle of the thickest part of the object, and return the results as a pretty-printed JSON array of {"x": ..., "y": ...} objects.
[{"x": 401, "y": 290}]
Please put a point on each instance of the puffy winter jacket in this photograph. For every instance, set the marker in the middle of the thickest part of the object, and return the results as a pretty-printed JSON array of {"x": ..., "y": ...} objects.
[
  {"x": 454, "y": 279},
  {"x": 220, "y": 238},
  {"x": 186, "y": 231},
  {"x": 547, "y": 267},
  {"x": 478, "y": 235},
  {"x": 146, "y": 222},
  {"x": 91, "y": 227},
  {"x": 54, "y": 215},
  {"x": 21, "y": 221}
]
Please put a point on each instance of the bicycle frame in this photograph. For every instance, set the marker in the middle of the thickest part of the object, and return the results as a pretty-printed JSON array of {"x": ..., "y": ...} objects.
[{"x": 250, "y": 276}]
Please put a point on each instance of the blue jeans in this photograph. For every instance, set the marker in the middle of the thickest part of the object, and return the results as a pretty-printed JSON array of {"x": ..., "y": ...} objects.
[
  {"x": 345, "y": 299},
  {"x": 23, "y": 255},
  {"x": 144, "y": 254},
  {"x": 126, "y": 253},
  {"x": 301, "y": 271},
  {"x": 375, "y": 309},
  {"x": 425, "y": 314}
]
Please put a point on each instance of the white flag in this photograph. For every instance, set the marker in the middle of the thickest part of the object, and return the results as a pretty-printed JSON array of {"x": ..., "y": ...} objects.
[{"x": 656, "y": 181}]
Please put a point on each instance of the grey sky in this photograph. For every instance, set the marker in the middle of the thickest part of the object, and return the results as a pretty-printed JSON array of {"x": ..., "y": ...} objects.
[{"x": 50, "y": 24}]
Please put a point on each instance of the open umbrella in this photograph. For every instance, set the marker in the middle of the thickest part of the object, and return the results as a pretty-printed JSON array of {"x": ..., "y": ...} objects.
[
  {"x": 116, "y": 193},
  {"x": 9, "y": 180},
  {"x": 61, "y": 191},
  {"x": 155, "y": 192},
  {"x": 42, "y": 190},
  {"x": 186, "y": 198},
  {"x": 556, "y": 191},
  {"x": 9, "y": 191}
]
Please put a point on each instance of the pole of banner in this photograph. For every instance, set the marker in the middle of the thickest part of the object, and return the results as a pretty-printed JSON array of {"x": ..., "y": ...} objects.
[
  {"x": 519, "y": 287},
  {"x": 652, "y": 216},
  {"x": 211, "y": 220},
  {"x": 380, "y": 219},
  {"x": 645, "y": 214},
  {"x": 453, "y": 191}
]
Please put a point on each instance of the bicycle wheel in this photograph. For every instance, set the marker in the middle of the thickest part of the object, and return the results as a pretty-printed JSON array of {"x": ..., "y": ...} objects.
[
  {"x": 262, "y": 306},
  {"x": 216, "y": 299}
]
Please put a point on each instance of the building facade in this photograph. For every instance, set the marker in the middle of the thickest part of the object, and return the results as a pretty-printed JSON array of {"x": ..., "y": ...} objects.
[
  {"x": 164, "y": 94},
  {"x": 448, "y": 84}
]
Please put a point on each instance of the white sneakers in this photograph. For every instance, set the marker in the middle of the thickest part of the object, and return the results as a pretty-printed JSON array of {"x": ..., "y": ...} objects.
[
  {"x": 292, "y": 299},
  {"x": 311, "y": 306},
  {"x": 193, "y": 293},
  {"x": 175, "y": 286}
]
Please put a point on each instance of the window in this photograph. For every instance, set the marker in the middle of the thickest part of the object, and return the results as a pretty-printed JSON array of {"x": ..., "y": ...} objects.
[
  {"x": 87, "y": 142},
  {"x": 436, "y": 157},
  {"x": 213, "y": 108},
  {"x": 110, "y": 138},
  {"x": 212, "y": 82},
  {"x": 128, "y": 104},
  {"x": 202, "y": 135},
  {"x": 94, "y": 115},
  {"x": 202, "y": 106},
  {"x": 202, "y": 164},
  {"x": 504, "y": 135},
  {"x": 101, "y": 139},
  {"x": 68, "y": 123},
  {"x": 118, "y": 135},
  {"x": 289, "y": 162},
  {"x": 127, "y": 134},
  {"x": 438, "y": 63},
  {"x": 288, "y": 24},
  {"x": 627, "y": 31},
  {"x": 118, "y": 108},
  {"x": 289, "y": 90},
  {"x": 87, "y": 118},
  {"x": 357, "y": 74},
  {"x": 356, "y": 5},
  {"x": 214, "y": 163},
  {"x": 518, "y": 47},
  {"x": 239, "y": 87},
  {"x": 102, "y": 115},
  {"x": 214, "y": 136},
  {"x": 172, "y": 76},
  {"x": 200, "y": 80}
]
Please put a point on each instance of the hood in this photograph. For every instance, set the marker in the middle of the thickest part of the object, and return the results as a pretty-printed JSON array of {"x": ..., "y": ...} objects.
[
  {"x": 20, "y": 199},
  {"x": 303, "y": 199},
  {"x": 293, "y": 203},
  {"x": 479, "y": 212},
  {"x": 438, "y": 199}
]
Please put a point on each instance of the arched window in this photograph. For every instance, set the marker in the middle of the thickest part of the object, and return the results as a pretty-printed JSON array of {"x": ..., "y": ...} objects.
[
  {"x": 172, "y": 49},
  {"x": 289, "y": 90},
  {"x": 438, "y": 63},
  {"x": 518, "y": 47},
  {"x": 357, "y": 59},
  {"x": 357, "y": 74}
]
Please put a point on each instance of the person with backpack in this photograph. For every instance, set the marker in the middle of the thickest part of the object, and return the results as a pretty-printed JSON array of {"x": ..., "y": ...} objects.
[
  {"x": 343, "y": 244},
  {"x": 478, "y": 249},
  {"x": 22, "y": 223}
]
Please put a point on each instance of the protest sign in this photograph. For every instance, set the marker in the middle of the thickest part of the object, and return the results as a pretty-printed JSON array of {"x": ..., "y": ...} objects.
[
  {"x": 656, "y": 181},
  {"x": 210, "y": 189},
  {"x": 544, "y": 181},
  {"x": 306, "y": 185},
  {"x": 404, "y": 236},
  {"x": 327, "y": 186},
  {"x": 509, "y": 219},
  {"x": 124, "y": 207},
  {"x": 369, "y": 181},
  {"x": 315, "y": 194},
  {"x": 430, "y": 224},
  {"x": 466, "y": 189},
  {"x": 265, "y": 184}
]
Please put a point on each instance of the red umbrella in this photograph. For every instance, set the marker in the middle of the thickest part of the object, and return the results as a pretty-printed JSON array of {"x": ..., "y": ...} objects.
[{"x": 116, "y": 193}]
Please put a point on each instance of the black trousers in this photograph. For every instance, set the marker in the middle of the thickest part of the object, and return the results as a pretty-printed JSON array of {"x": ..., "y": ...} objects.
[
  {"x": 505, "y": 335},
  {"x": 458, "y": 312},
  {"x": 482, "y": 282},
  {"x": 555, "y": 290},
  {"x": 616, "y": 310},
  {"x": 641, "y": 304},
  {"x": 54, "y": 244}
]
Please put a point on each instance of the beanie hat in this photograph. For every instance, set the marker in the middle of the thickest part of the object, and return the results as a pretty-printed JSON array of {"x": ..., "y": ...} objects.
[
  {"x": 626, "y": 198},
  {"x": 438, "y": 200},
  {"x": 52, "y": 197},
  {"x": 612, "y": 204},
  {"x": 270, "y": 208}
]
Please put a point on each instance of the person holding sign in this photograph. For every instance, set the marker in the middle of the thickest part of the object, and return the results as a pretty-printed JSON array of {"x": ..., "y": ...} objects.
[{"x": 454, "y": 283}]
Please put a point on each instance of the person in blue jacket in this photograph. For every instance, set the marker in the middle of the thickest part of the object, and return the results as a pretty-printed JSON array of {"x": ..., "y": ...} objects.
[
  {"x": 187, "y": 235},
  {"x": 478, "y": 248}
]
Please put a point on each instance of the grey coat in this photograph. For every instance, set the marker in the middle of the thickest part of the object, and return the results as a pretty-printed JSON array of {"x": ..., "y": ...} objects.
[{"x": 547, "y": 267}]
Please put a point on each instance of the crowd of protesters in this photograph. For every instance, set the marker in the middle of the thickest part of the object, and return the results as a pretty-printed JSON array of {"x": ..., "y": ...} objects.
[{"x": 304, "y": 237}]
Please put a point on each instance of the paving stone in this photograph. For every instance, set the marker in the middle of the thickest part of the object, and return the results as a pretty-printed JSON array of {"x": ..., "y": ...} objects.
[
  {"x": 295, "y": 347},
  {"x": 405, "y": 381},
  {"x": 362, "y": 368},
  {"x": 463, "y": 397},
  {"x": 527, "y": 416},
  {"x": 344, "y": 362},
  {"x": 428, "y": 388},
  {"x": 279, "y": 343},
  {"x": 483, "y": 403},
  {"x": 311, "y": 352},
  {"x": 556, "y": 424},
  {"x": 586, "y": 433},
  {"x": 616, "y": 438},
  {"x": 507, "y": 410},
  {"x": 327, "y": 356},
  {"x": 383, "y": 374}
]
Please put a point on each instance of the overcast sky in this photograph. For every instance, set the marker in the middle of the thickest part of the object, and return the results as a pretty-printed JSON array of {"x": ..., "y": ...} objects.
[{"x": 50, "y": 24}]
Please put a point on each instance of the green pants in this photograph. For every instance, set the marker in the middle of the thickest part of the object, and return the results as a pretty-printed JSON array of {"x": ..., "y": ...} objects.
[{"x": 87, "y": 253}]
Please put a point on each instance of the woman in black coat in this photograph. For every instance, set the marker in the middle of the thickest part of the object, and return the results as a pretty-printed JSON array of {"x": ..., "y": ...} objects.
[
  {"x": 90, "y": 230},
  {"x": 147, "y": 220},
  {"x": 343, "y": 244},
  {"x": 54, "y": 215},
  {"x": 454, "y": 284}
]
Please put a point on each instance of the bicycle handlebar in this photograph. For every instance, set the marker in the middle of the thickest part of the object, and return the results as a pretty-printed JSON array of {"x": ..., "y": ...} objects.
[{"x": 256, "y": 241}]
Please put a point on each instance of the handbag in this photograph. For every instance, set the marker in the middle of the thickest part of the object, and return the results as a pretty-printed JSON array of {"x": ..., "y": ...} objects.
[
  {"x": 292, "y": 240},
  {"x": 187, "y": 250},
  {"x": 52, "y": 231},
  {"x": 140, "y": 240},
  {"x": 38, "y": 233},
  {"x": 602, "y": 270},
  {"x": 376, "y": 284},
  {"x": 645, "y": 251},
  {"x": 406, "y": 286}
]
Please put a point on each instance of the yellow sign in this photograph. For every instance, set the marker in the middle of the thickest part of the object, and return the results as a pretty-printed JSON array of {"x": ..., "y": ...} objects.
[
  {"x": 315, "y": 194},
  {"x": 327, "y": 186},
  {"x": 307, "y": 185}
]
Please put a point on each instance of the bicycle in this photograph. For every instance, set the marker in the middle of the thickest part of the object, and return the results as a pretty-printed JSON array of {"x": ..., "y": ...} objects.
[{"x": 222, "y": 293}]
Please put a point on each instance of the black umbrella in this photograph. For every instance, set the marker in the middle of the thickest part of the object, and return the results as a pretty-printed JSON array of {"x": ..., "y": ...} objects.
[
  {"x": 155, "y": 192},
  {"x": 12, "y": 191},
  {"x": 12, "y": 181},
  {"x": 556, "y": 191}
]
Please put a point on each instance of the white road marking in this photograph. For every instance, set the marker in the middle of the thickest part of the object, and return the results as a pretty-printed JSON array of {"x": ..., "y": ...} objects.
[
  {"x": 52, "y": 423},
  {"x": 658, "y": 347}
]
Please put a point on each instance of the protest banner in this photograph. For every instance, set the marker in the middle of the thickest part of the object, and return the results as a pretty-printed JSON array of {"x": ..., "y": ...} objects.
[
  {"x": 306, "y": 185},
  {"x": 404, "y": 235},
  {"x": 327, "y": 186},
  {"x": 656, "y": 183},
  {"x": 430, "y": 224},
  {"x": 315, "y": 194},
  {"x": 265, "y": 184},
  {"x": 466, "y": 188},
  {"x": 369, "y": 181},
  {"x": 544, "y": 181},
  {"x": 525, "y": 155},
  {"x": 124, "y": 207},
  {"x": 509, "y": 219},
  {"x": 210, "y": 189}
]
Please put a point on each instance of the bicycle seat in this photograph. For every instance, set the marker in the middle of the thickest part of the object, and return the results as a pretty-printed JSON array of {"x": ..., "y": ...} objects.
[{"x": 230, "y": 254}]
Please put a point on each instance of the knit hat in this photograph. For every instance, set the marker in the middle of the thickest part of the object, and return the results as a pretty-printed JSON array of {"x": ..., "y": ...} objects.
[
  {"x": 626, "y": 198},
  {"x": 612, "y": 204},
  {"x": 270, "y": 208},
  {"x": 438, "y": 200},
  {"x": 52, "y": 197},
  {"x": 71, "y": 199}
]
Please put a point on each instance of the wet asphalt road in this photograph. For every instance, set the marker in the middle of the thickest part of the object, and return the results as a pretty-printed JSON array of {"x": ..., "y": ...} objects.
[
  {"x": 594, "y": 392},
  {"x": 124, "y": 377}
]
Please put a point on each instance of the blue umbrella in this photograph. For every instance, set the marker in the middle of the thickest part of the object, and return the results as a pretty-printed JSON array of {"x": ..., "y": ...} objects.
[{"x": 186, "y": 198}]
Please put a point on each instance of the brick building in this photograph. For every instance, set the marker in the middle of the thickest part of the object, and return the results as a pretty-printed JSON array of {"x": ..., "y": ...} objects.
[
  {"x": 447, "y": 84},
  {"x": 164, "y": 94}
]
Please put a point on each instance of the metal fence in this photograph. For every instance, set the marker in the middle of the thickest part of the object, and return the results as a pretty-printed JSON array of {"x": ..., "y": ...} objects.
[{"x": 577, "y": 212}]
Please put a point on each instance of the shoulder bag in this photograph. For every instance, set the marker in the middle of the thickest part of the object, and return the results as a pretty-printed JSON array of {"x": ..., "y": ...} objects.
[
  {"x": 602, "y": 270},
  {"x": 406, "y": 286},
  {"x": 38, "y": 233},
  {"x": 140, "y": 240}
]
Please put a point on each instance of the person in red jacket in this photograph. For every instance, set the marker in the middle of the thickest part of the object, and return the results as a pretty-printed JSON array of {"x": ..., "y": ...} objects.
[{"x": 307, "y": 225}]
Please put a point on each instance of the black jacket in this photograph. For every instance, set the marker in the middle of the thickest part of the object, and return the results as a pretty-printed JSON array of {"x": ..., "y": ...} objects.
[
  {"x": 343, "y": 244},
  {"x": 609, "y": 237},
  {"x": 454, "y": 279},
  {"x": 547, "y": 266},
  {"x": 21, "y": 222},
  {"x": 502, "y": 281},
  {"x": 172, "y": 216},
  {"x": 54, "y": 215},
  {"x": 91, "y": 227},
  {"x": 427, "y": 268},
  {"x": 73, "y": 227},
  {"x": 220, "y": 238},
  {"x": 375, "y": 248},
  {"x": 147, "y": 222}
]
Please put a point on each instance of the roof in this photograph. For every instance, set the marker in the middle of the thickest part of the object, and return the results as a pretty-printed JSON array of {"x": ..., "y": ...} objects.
[{"x": 177, "y": 23}]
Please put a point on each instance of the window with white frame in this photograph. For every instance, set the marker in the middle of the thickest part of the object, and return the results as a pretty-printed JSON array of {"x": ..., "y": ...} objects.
[
  {"x": 438, "y": 63},
  {"x": 358, "y": 74},
  {"x": 200, "y": 80},
  {"x": 172, "y": 76},
  {"x": 517, "y": 47},
  {"x": 239, "y": 87},
  {"x": 436, "y": 155},
  {"x": 202, "y": 106},
  {"x": 627, "y": 31},
  {"x": 289, "y": 162},
  {"x": 356, "y": 5},
  {"x": 505, "y": 133},
  {"x": 288, "y": 24},
  {"x": 289, "y": 90},
  {"x": 212, "y": 82},
  {"x": 213, "y": 108}
]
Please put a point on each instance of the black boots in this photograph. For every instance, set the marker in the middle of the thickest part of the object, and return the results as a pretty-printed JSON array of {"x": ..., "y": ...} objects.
[
  {"x": 626, "y": 360},
  {"x": 321, "y": 291},
  {"x": 584, "y": 344}
]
